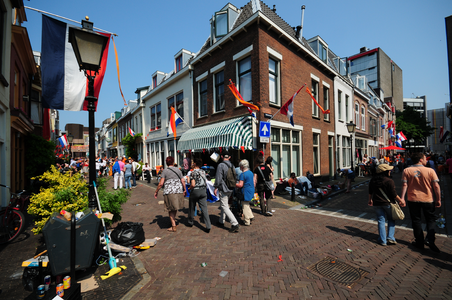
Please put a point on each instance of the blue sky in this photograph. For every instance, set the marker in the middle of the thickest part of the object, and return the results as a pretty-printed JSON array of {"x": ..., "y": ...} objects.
[{"x": 150, "y": 33}]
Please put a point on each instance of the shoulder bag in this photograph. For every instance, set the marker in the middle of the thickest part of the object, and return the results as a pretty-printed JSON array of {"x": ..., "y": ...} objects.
[
  {"x": 268, "y": 183},
  {"x": 397, "y": 213}
]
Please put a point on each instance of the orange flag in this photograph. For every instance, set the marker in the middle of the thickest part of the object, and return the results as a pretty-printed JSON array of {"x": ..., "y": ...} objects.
[
  {"x": 315, "y": 101},
  {"x": 237, "y": 95}
]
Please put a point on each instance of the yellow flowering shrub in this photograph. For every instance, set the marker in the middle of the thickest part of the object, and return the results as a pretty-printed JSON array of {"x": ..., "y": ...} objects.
[{"x": 60, "y": 191}]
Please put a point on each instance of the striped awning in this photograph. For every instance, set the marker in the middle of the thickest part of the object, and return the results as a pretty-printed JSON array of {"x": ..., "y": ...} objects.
[{"x": 231, "y": 133}]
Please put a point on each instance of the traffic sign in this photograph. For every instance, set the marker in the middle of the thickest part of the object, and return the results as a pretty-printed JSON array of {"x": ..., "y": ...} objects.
[{"x": 264, "y": 129}]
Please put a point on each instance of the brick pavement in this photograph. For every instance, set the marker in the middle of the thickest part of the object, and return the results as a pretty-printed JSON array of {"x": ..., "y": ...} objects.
[{"x": 251, "y": 257}]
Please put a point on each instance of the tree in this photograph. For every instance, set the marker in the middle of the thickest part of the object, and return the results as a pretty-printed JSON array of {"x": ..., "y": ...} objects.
[
  {"x": 413, "y": 125},
  {"x": 129, "y": 143},
  {"x": 39, "y": 155}
]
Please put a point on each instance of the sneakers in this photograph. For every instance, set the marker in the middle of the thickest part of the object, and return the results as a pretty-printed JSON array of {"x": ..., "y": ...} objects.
[
  {"x": 391, "y": 242},
  {"x": 269, "y": 214},
  {"x": 234, "y": 228}
]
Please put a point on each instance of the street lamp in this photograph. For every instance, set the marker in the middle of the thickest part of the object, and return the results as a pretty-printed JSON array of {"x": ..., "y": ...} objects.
[
  {"x": 351, "y": 129},
  {"x": 70, "y": 138},
  {"x": 88, "y": 48}
]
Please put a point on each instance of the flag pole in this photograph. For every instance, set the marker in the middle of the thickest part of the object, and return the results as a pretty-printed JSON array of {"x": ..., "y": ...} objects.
[{"x": 282, "y": 106}]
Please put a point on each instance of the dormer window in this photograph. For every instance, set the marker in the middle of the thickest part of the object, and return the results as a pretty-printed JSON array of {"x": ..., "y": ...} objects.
[
  {"x": 320, "y": 47},
  {"x": 178, "y": 63},
  {"x": 221, "y": 23}
]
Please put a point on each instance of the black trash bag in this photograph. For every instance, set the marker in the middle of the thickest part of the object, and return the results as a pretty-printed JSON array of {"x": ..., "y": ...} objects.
[
  {"x": 128, "y": 234},
  {"x": 30, "y": 278}
]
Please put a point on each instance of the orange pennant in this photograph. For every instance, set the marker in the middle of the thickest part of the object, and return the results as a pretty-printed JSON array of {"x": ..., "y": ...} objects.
[{"x": 315, "y": 101}]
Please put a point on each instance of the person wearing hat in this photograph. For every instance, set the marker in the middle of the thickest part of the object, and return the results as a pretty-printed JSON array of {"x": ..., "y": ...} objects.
[
  {"x": 223, "y": 192},
  {"x": 381, "y": 193}
]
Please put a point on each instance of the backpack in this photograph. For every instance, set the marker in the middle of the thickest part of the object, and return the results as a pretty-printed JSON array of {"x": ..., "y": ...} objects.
[{"x": 231, "y": 178}]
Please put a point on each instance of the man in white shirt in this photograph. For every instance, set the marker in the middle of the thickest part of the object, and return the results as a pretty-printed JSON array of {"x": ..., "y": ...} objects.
[{"x": 135, "y": 166}]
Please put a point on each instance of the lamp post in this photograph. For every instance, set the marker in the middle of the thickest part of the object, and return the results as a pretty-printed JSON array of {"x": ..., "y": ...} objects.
[
  {"x": 88, "y": 48},
  {"x": 351, "y": 129},
  {"x": 70, "y": 138}
]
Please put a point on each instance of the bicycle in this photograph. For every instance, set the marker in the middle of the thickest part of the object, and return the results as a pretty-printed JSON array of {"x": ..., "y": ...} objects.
[{"x": 12, "y": 220}]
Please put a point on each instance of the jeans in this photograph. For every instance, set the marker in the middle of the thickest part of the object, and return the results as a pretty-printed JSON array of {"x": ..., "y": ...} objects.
[
  {"x": 383, "y": 213},
  {"x": 198, "y": 196},
  {"x": 416, "y": 210},
  {"x": 224, "y": 209},
  {"x": 303, "y": 187},
  {"x": 134, "y": 179},
  {"x": 128, "y": 177}
]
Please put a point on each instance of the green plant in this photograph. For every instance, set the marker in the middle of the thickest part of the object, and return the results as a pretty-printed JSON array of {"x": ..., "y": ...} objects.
[
  {"x": 39, "y": 155},
  {"x": 130, "y": 144},
  {"x": 111, "y": 201},
  {"x": 62, "y": 191},
  {"x": 70, "y": 193}
]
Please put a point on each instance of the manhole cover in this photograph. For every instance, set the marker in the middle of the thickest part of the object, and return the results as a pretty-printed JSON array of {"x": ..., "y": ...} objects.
[{"x": 338, "y": 271}]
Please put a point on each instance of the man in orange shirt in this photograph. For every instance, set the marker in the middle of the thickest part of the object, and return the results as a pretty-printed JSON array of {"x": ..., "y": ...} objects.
[{"x": 418, "y": 184}]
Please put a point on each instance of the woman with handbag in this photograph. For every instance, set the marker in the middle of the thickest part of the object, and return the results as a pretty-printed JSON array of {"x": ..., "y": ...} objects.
[
  {"x": 173, "y": 185},
  {"x": 381, "y": 190},
  {"x": 263, "y": 184},
  {"x": 198, "y": 194}
]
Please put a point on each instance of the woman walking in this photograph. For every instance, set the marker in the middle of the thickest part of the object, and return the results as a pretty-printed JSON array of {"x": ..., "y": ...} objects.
[
  {"x": 173, "y": 192},
  {"x": 381, "y": 193},
  {"x": 268, "y": 162},
  {"x": 198, "y": 194},
  {"x": 261, "y": 174},
  {"x": 128, "y": 173},
  {"x": 246, "y": 183}
]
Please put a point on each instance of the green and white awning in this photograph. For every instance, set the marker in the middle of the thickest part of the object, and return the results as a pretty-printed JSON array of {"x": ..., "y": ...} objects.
[{"x": 231, "y": 133}]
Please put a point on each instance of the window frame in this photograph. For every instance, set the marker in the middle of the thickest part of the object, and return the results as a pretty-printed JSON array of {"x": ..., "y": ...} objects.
[
  {"x": 347, "y": 98},
  {"x": 278, "y": 144},
  {"x": 339, "y": 104},
  {"x": 314, "y": 158},
  {"x": 315, "y": 93},
  {"x": 215, "y": 92},
  {"x": 218, "y": 13},
  {"x": 326, "y": 102},
  {"x": 276, "y": 82},
  {"x": 243, "y": 75},
  {"x": 356, "y": 114},
  {"x": 179, "y": 63},
  {"x": 202, "y": 92},
  {"x": 363, "y": 118}
]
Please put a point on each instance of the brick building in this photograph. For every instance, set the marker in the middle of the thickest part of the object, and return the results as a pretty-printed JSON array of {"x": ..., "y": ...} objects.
[{"x": 268, "y": 61}]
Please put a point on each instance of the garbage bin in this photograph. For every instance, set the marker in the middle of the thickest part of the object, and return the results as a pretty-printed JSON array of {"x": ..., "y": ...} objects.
[{"x": 57, "y": 235}]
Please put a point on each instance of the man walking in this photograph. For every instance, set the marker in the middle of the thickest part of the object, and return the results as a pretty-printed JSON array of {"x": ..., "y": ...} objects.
[
  {"x": 121, "y": 174},
  {"x": 418, "y": 183},
  {"x": 135, "y": 166},
  {"x": 225, "y": 192},
  {"x": 116, "y": 170}
]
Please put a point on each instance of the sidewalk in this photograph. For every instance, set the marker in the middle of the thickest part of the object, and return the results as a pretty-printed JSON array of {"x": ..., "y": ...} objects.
[{"x": 276, "y": 257}]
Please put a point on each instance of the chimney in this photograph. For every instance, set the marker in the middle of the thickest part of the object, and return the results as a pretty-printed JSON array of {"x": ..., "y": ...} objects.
[{"x": 300, "y": 36}]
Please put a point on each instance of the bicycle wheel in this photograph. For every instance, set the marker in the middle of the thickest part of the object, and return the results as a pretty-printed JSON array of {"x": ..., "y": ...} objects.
[{"x": 11, "y": 225}]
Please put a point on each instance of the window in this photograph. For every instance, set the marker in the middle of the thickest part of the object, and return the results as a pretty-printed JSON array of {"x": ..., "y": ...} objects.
[
  {"x": 326, "y": 103},
  {"x": 156, "y": 117},
  {"x": 115, "y": 134},
  {"x": 245, "y": 79},
  {"x": 221, "y": 23},
  {"x": 315, "y": 93},
  {"x": 154, "y": 82},
  {"x": 16, "y": 88},
  {"x": 273, "y": 81},
  {"x": 323, "y": 53},
  {"x": 346, "y": 109},
  {"x": 285, "y": 150},
  {"x": 357, "y": 115},
  {"x": 316, "y": 152},
  {"x": 203, "y": 98},
  {"x": 180, "y": 104},
  {"x": 170, "y": 104},
  {"x": 339, "y": 104},
  {"x": 179, "y": 63},
  {"x": 219, "y": 91},
  {"x": 363, "y": 118},
  {"x": 345, "y": 151}
]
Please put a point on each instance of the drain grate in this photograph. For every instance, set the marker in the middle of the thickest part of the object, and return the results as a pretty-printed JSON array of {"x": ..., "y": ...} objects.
[{"x": 338, "y": 271}]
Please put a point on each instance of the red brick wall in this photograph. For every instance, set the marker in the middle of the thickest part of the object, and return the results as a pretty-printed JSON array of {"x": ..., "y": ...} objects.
[{"x": 296, "y": 70}]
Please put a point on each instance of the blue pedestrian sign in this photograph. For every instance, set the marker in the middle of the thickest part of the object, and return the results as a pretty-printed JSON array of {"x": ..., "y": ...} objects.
[{"x": 264, "y": 129}]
